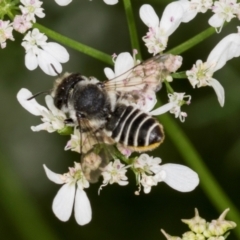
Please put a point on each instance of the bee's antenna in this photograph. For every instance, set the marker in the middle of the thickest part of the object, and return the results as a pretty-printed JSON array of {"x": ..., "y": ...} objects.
[
  {"x": 54, "y": 69},
  {"x": 37, "y": 94}
]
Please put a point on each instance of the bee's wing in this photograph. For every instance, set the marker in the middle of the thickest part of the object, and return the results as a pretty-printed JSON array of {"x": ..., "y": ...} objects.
[
  {"x": 147, "y": 75},
  {"x": 94, "y": 149}
]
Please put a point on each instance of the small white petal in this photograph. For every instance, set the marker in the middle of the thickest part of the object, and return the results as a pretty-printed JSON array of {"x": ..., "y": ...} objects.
[
  {"x": 45, "y": 60},
  {"x": 109, "y": 73},
  {"x": 31, "y": 61},
  {"x": 63, "y": 2},
  {"x": 216, "y": 21},
  {"x": 171, "y": 18},
  {"x": 52, "y": 176},
  {"x": 189, "y": 14},
  {"x": 44, "y": 126},
  {"x": 111, "y": 2},
  {"x": 82, "y": 208},
  {"x": 180, "y": 178},
  {"x": 226, "y": 49},
  {"x": 219, "y": 90},
  {"x": 63, "y": 202},
  {"x": 30, "y": 105},
  {"x": 149, "y": 16},
  {"x": 163, "y": 109},
  {"x": 123, "y": 63},
  {"x": 57, "y": 51}
]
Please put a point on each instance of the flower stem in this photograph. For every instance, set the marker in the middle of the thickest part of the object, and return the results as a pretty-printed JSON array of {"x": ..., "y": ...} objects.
[
  {"x": 168, "y": 87},
  {"x": 27, "y": 220},
  {"x": 179, "y": 75},
  {"x": 192, "y": 41},
  {"x": 75, "y": 45},
  {"x": 132, "y": 26},
  {"x": 211, "y": 187}
]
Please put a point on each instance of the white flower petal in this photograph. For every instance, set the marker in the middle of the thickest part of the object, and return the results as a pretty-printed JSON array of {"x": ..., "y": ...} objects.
[
  {"x": 179, "y": 177},
  {"x": 52, "y": 176},
  {"x": 30, "y": 105},
  {"x": 31, "y": 61},
  {"x": 226, "y": 49},
  {"x": 57, "y": 51},
  {"x": 123, "y": 63},
  {"x": 44, "y": 126},
  {"x": 219, "y": 90},
  {"x": 45, "y": 60},
  {"x": 109, "y": 73},
  {"x": 63, "y": 2},
  {"x": 171, "y": 18},
  {"x": 111, "y": 2},
  {"x": 163, "y": 109},
  {"x": 82, "y": 208},
  {"x": 149, "y": 16},
  {"x": 216, "y": 21},
  {"x": 189, "y": 13},
  {"x": 63, "y": 202}
]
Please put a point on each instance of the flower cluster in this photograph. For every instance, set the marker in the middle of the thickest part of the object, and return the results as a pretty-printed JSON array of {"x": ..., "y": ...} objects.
[
  {"x": 148, "y": 78},
  {"x": 201, "y": 229},
  {"x": 132, "y": 83},
  {"x": 183, "y": 11},
  {"x": 47, "y": 55}
]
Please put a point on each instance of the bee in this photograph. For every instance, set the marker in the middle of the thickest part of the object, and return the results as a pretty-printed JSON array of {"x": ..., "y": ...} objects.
[{"x": 107, "y": 113}]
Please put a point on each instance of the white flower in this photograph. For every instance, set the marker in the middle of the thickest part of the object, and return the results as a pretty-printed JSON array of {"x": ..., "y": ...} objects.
[
  {"x": 201, "y": 5},
  {"x": 224, "y": 10},
  {"x": 159, "y": 31},
  {"x": 149, "y": 172},
  {"x": 176, "y": 100},
  {"x": 148, "y": 182},
  {"x": 31, "y": 9},
  {"x": 111, "y": 2},
  {"x": 39, "y": 52},
  {"x": 21, "y": 24},
  {"x": 5, "y": 32},
  {"x": 114, "y": 172},
  {"x": 74, "y": 182},
  {"x": 82, "y": 143},
  {"x": 201, "y": 73},
  {"x": 63, "y": 2},
  {"x": 53, "y": 119}
]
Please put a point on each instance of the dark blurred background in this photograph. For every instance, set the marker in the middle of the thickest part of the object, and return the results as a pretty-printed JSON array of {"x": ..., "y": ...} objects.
[{"x": 117, "y": 212}]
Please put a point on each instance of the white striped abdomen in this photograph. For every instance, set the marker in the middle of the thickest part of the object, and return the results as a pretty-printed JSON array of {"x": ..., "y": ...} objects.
[{"x": 134, "y": 128}]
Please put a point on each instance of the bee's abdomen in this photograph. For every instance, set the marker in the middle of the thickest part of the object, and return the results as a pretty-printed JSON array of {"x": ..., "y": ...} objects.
[{"x": 135, "y": 128}]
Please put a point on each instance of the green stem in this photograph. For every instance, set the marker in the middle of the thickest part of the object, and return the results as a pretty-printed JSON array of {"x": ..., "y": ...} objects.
[
  {"x": 132, "y": 26},
  {"x": 211, "y": 187},
  {"x": 75, "y": 45},
  {"x": 23, "y": 212},
  {"x": 179, "y": 75},
  {"x": 168, "y": 86},
  {"x": 193, "y": 41}
]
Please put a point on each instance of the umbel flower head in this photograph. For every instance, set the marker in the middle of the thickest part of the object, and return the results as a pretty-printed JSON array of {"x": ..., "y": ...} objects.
[
  {"x": 71, "y": 193},
  {"x": 43, "y": 54},
  {"x": 159, "y": 30},
  {"x": 149, "y": 171},
  {"x": 201, "y": 73},
  {"x": 203, "y": 230}
]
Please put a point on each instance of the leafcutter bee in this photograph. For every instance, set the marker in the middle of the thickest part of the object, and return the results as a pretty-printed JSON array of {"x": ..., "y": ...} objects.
[{"x": 108, "y": 112}]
